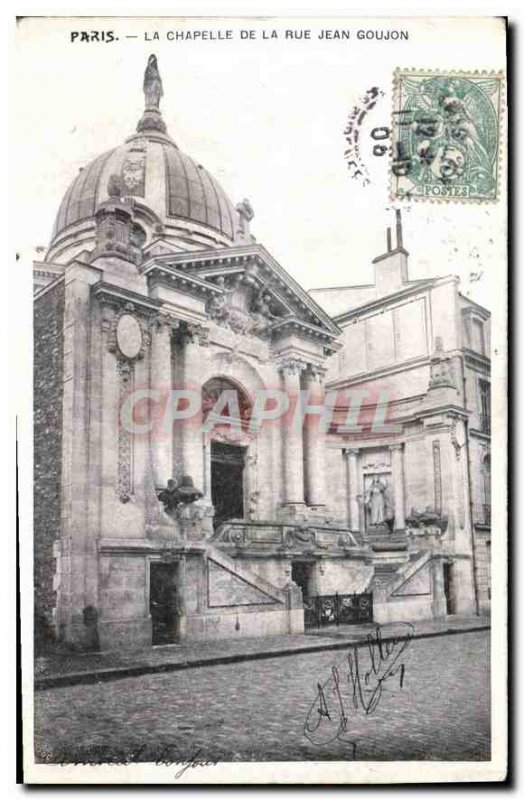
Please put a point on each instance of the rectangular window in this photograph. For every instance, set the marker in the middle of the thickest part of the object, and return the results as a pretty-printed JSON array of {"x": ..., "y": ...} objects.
[
  {"x": 478, "y": 336},
  {"x": 485, "y": 406}
]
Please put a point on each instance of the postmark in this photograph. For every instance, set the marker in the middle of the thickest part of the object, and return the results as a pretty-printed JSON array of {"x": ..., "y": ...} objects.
[{"x": 446, "y": 131}]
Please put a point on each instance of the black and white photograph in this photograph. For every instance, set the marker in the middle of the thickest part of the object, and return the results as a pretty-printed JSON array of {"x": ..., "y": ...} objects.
[{"x": 268, "y": 259}]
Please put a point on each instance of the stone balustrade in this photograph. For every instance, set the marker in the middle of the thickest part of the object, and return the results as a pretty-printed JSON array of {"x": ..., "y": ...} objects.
[{"x": 278, "y": 537}]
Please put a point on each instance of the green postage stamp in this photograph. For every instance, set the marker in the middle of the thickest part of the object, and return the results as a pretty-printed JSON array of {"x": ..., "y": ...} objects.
[{"x": 446, "y": 135}]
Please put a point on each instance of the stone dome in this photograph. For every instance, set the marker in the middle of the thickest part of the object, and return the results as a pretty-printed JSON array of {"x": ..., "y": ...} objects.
[{"x": 179, "y": 199}]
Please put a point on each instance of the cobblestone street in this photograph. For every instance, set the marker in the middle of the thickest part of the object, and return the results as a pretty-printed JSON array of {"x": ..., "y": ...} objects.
[{"x": 258, "y": 710}]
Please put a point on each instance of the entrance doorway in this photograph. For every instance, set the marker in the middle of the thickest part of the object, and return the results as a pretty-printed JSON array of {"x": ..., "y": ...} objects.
[
  {"x": 449, "y": 588},
  {"x": 227, "y": 481},
  {"x": 302, "y": 575},
  {"x": 163, "y": 605}
]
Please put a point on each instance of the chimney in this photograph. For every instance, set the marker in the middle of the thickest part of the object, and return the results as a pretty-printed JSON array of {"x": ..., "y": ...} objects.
[
  {"x": 400, "y": 244},
  {"x": 391, "y": 268}
]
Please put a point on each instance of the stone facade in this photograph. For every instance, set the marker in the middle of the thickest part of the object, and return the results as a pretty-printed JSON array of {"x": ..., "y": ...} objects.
[
  {"x": 141, "y": 299},
  {"x": 47, "y": 399}
]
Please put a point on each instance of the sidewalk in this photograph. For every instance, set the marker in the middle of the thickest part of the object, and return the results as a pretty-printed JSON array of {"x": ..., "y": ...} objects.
[{"x": 67, "y": 669}]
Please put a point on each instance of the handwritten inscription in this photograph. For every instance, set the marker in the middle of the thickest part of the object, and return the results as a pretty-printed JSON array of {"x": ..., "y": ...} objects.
[
  {"x": 168, "y": 755},
  {"x": 356, "y": 686}
]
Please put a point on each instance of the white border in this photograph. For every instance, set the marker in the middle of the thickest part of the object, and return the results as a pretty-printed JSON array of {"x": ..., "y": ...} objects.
[{"x": 14, "y": 318}]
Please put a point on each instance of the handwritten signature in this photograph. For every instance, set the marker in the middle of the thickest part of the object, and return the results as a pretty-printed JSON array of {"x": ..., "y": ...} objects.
[
  {"x": 356, "y": 685},
  {"x": 195, "y": 760},
  {"x": 163, "y": 755}
]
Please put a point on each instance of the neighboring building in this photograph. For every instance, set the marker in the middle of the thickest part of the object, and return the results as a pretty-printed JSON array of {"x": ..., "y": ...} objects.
[
  {"x": 426, "y": 346},
  {"x": 154, "y": 283},
  {"x": 475, "y": 334}
]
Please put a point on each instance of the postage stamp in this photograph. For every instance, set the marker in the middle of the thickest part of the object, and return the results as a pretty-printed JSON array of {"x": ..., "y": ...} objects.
[{"x": 446, "y": 135}]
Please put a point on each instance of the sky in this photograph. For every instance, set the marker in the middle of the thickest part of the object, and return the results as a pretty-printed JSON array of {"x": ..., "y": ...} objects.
[{"x": 266, "y": 118}]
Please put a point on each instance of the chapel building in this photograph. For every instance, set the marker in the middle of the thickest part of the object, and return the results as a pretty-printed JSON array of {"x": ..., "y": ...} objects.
[{"x": 213, "y": 526}]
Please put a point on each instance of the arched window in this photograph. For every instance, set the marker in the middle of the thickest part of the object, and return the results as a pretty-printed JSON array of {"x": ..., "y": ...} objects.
[
  {"x": 138, "y": 236},
  {"x": 211, "y": 392}
]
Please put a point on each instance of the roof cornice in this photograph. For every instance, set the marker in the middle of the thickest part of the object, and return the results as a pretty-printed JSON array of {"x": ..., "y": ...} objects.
[
  {"x": 238, "y": 256},
  {"x": 409, "y": 289}
]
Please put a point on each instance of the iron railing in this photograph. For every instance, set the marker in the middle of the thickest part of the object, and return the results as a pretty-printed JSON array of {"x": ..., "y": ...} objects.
[{"x": 338, "y": 609}]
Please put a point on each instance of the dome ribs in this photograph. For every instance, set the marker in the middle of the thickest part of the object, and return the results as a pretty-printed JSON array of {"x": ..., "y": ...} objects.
[
  {"x": 80, "y": 204},
  {"x": 193, "y": 193},
  {"x": 214, "y": 212}
]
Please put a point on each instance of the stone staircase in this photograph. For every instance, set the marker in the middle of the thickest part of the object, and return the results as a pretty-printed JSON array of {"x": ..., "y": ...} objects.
[{"x": 236, "y": 569}]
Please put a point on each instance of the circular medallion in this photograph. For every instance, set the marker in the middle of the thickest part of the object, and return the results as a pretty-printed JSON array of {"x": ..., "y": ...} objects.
[{"x": 128, "y": 336}]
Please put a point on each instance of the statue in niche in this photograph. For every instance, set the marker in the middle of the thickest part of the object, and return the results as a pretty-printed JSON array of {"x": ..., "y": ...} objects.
[
  {"x": 375, "y": 502},
  {"x": 377, "y": 506}
]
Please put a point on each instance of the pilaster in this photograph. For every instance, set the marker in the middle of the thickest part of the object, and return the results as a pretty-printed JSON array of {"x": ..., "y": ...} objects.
[
  {"x": 313, "y": 441},
  {"x": 292, "y": 446},
  {"x": 397, "y": 468},
  {"x": 352, "y": 455}
]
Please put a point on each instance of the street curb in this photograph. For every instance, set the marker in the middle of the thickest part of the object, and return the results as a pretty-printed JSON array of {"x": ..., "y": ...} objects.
[{"x": 116, "y": 673}]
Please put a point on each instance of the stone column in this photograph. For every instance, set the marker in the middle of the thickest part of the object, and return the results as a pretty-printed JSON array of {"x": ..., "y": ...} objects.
[
  {"x": 191, "y": 435},
  {"x": 354, "y": 511},
  {"x": 292, "y": 439},
  {"x": 398, "y": 486},
  {"x": 313, "y": 442},
  {"x": 161, "y": 380},
  {"x": 181, "y": 598}
]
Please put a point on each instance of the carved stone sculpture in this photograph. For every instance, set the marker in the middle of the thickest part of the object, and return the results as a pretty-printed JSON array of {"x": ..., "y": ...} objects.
[
  {"x": 151, "y": 119},
  {"x": 245, "y": 215},
  {"x": 440, "y": 368},
  {"x": 169, "y": 495},
  {"x": 153, "y": 90},
  {"x": 375, "y": 502},
  {"x": 175, "y": 495}
]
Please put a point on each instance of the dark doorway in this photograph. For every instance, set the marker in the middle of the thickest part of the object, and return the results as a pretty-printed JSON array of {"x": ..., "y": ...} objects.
[
  {"x": 227, "y": 481},
  {"x": 163, "y": 605},
  {"x": 448, "y": 588},
  {"x": 301, "y": 574}
]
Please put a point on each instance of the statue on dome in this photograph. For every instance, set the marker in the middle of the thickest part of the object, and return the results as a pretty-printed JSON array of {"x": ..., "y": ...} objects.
[
  {"x": 245, "y": 215},
  {"x": 152, "y": 84}
]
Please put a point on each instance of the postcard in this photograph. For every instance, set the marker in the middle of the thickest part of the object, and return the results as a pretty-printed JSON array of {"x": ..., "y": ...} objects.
[{"x": 269, "y": 368}]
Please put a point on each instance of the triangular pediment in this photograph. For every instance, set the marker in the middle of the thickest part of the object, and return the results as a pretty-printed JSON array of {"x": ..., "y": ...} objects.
[
  {"x": 159, "y": 247},
  {"x": 247, "y": 282}
]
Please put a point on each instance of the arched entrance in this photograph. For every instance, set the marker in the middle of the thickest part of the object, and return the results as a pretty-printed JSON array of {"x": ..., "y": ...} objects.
[{"x": 232, "y": 407}]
